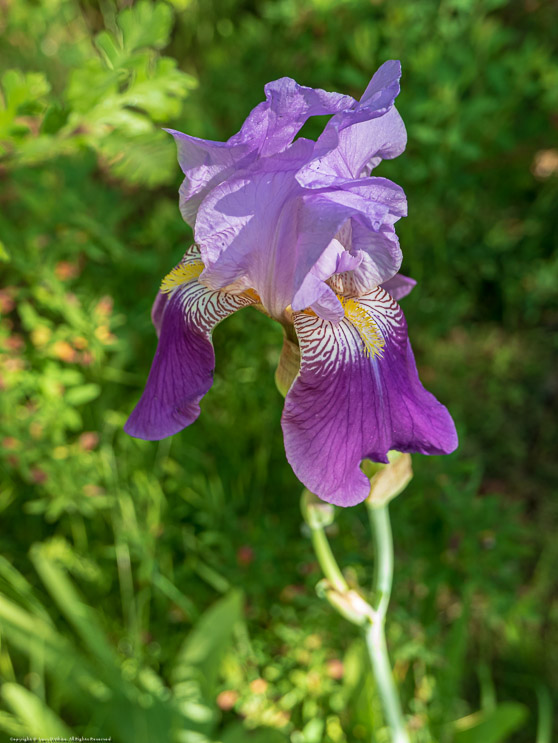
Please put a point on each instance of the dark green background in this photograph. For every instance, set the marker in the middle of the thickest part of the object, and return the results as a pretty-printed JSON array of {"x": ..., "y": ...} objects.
[{"x": 151, "y": 535}]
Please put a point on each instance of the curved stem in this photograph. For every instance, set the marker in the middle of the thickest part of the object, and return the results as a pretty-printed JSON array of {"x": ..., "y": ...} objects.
[
  {"x": 371, "y": 617},
  {"x": 327, "y": 561},
  {"x": 374, "y": 633}
]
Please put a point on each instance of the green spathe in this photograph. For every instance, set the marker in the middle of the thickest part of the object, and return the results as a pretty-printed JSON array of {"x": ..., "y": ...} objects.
[{"x": 388, "y": 480}]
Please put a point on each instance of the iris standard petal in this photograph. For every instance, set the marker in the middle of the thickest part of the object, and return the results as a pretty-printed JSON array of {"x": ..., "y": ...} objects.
[
  {"x": 273, "y": 124},
  {"x": 182, "y": 370},
  {"x": 361, "y": 214},
  {"x": 247, "y": 230},
  {"x": 355, "y": 141},
  {"x": 318, "y": 295},
  {"x": 357, "y": 396},
  {"x": 355, "y": 151},
  {"x": 380, "y": 256},
  {"x": 205, "y": 164},
  {"x": 383, "y": 89},
  {"x": 269, "y": 128},
  {"x": 262, "y": 229}
]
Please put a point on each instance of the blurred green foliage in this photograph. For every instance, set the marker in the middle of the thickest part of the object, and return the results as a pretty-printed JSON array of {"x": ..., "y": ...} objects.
[{"x": 120, "y": 610}]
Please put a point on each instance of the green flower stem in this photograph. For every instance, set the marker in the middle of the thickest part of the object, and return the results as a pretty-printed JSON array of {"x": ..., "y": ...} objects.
[
  {"x": 375, "y": 632},
  {"x": 371, "y": 618},
  {"x": 327, "y": 561},
  {"x": 383, "y": 562}
]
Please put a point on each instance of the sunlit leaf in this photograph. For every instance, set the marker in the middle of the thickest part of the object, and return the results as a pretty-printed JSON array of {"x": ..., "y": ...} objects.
[
  {"x": 148, "y": 158},
  {"x": 238, "y": 733},
  {"x": 493, "y": 726},
  {"x": 145, "y": 24},
  {"x": 39, "y": 719},
  {"x": 4, "y": 255},
  {"x": 202, "y": 653},
  {"x": 83, "y": 394}
]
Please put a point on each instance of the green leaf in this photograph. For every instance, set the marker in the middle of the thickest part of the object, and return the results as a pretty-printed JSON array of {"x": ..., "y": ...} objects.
[
  {"x": 12, "y": 725},
  {"x": 147, "y": 158},
  {"x": 174, "y": 594},
  {"x": 20, "y": 88},
  {"x": 82, "y": 394},
  {"x": 54, "y": 119},
  {"x": 38, "y": 639},
  {"x": 205, "y": 647},
  {"x": 90, "y": 85},
  {"x": 39, "y": 719},
  {"x": 76, "y": 612},
  {"x": 109, "y": 48},
  {"x": 313, "y": 731},
  {"x": 15, "y": 582},
  {"x": 355, "y": 667},
  {"x": 146, "y": 25},
  {"x": 159, "y": 93},
  {"x": 237, "y": 733},
  {"x": 20, "y": 93},
  {"x": 4, "y": 255},
  {"x": 451, "y": 673},
  {"x": 545, "y": 709},
  {"x": 492, "y": 726}
]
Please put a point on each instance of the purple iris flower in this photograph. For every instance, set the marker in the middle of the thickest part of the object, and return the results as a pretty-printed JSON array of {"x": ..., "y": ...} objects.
[{"x": 304, "y": 232}]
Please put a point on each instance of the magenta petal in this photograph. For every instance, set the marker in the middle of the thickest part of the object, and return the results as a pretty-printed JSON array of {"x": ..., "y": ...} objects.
[
  {"x": 346, "y": 406},
  {"x": 182, "y": 370}
]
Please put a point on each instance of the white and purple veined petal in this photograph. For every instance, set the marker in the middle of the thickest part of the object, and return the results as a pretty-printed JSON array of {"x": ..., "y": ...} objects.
[
  {"x": 357, "y": 396},
  {"x": 182, "y": 369}
]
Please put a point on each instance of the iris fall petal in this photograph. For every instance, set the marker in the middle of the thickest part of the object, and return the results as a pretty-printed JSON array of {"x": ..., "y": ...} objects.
[
  {"x": 182, "y": 369},
  {"x": 348, "y": 404}
]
